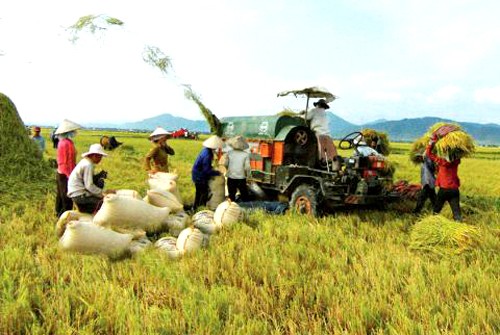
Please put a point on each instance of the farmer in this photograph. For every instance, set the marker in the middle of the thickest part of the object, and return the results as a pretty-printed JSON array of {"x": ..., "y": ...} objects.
[
  {"x": 66, "y": 161},
  {"x": 428, "y": 181},
  {"x": 202, "y": 170},
  {"x": 362, "y": 149},
  {"x": 319, "y": 124},
  {"x": 238, "y": 168},
  {"x": 38, "y": 139},
  {"x": 157, "y": 158},
  {"x": 86, "y": 195},
  {"x": 447, "y": 180}
]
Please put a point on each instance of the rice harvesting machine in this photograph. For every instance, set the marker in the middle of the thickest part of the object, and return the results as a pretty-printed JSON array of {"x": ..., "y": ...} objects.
[{"x": 285, "y": 164}]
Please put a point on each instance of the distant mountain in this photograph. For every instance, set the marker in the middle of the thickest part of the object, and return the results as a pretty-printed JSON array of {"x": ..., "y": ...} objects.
[
  {"x": 411, "y": 129},
  {"x": 401, "y": 130},
  {"x": 338, "y": 125},
  {"x": 169, "y": 122}
]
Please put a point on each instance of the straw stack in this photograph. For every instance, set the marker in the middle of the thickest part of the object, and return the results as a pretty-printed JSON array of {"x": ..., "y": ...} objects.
[
  {"x": 454, "y": 145},
  {"x": 383, "y": 140},
  {"x": 439, "y": 235}
]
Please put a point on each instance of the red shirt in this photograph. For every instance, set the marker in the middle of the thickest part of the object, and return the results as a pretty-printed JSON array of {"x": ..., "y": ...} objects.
[
  {"x": 66, "y": 156},
  {"x": 447, "y": 176}
]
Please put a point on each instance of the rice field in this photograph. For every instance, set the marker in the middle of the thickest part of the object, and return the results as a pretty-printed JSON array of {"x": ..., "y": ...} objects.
[{"x": 352, "y": 272}]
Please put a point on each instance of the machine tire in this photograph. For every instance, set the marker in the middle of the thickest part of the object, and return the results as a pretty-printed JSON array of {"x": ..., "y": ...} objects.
[{"x": 305, "y": 200}]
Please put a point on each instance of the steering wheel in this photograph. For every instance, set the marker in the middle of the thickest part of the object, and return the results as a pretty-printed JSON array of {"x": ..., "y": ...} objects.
[{"x": 348, "y": 141}]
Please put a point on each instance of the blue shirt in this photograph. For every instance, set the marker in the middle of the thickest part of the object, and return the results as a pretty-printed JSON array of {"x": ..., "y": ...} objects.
[
  {"x": 40, "y": 141},
  {"x": 427, "y": 172},
  {"x": 202, "y": 169}
]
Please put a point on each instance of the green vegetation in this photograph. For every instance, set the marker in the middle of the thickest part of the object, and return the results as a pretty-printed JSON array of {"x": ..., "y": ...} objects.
[
  {"x": 20, "y": 159},
  {"x": 353, "y": 272}
]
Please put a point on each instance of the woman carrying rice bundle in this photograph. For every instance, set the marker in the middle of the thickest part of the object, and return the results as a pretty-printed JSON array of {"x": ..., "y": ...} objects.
[{"x": 447, "y": 176}]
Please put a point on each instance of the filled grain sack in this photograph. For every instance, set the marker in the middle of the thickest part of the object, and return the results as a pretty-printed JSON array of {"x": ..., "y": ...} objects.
[
  {"x": 161, "y": 180},
  {"x": 177, "y": 222},
  {"x": 206, "y": 213},
  {"x": 207, "y": 225},
  {"x": 228, "y": 213},
  {"x": 139, "y": 245},
  {"x": 169, "y": 246},
  {"x": 162, "y": 198},
  {"x": 125, "y": 212},
  {"x": 88, "y": 238},
  {"x": 191, "y": 239},
  {"x": 69, "y": 216},
  {"x": 129, "y": 193},
  {"x": 217, "y": 191}
]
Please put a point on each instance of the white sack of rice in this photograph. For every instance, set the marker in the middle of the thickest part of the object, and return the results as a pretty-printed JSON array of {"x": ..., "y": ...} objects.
[
  {"x": 162, "y": 198},
  {"x": 161, "y": 180},
  {"x": 129, "y": 193},
  {"x": 228, "y": 213},
  {"x": 207, "y": 225},
  {"x": 69, "y": 216},
  {"x": 131, "y": 213},
  {"x": 139, "y": 245},
  {"x": 169, "y": 246},
  {"x": 88, "y": 238},
  {"x": 206, "y": 213},
  {"x": 217, "y": 191},
  {"x": 191, "y": 239},
  {"x": 177, "y": 222}
]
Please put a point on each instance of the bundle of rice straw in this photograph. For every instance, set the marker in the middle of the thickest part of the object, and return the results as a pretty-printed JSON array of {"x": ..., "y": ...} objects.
[
  {"x": 371, "y": 135},
  {"x": 454, "y": 145},
  {"x": 439, "y": 235}
]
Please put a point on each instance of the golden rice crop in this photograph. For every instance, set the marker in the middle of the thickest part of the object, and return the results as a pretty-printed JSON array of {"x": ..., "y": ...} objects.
[
  {"x": 383, "y": 141},
  {"x": 438, "y": 234},
  {"x": 456, "y": 144}
]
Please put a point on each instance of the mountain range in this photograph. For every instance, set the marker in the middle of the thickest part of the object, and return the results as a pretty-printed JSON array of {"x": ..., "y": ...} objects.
[{"x": 405, "y": 130}]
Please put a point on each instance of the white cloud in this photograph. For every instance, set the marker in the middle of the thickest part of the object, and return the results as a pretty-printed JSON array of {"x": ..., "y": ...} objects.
[
  {"x": 383, "y": 96},
  {"x": 444, "y": 94},
  {"x": 488, "y": 95}
]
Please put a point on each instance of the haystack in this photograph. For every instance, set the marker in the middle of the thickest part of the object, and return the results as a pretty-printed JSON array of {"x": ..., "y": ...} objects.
[
  {"x": 24, "y": 174},
  {"x": 371, "y": 135},
  {"x": 440, "y": 235},
  {"x": 456, "y": 144}
]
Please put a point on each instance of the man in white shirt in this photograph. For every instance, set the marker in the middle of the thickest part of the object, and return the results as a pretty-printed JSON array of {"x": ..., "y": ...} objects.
[
  {"x": 362, "y": 149},
  {"x": 238, "y": 168},
  {"x": 81, "y": 187},
  {"x": 319, "y": 124}
]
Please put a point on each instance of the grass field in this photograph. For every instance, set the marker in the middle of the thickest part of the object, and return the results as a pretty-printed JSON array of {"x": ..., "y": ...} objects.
[{"x": 347, "y": 273}]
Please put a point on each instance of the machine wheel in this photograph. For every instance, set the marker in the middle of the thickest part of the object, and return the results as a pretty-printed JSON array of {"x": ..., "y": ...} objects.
[{"x": 305, "y": 200}]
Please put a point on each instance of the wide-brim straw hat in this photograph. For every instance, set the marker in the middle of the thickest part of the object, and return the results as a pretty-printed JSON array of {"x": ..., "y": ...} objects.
[
  {"x": 66, "y": 126},
  {"x": 159, "y": 132},
  {"x": 238, "y": 143},
  {"x": 213, "y": 142},
  {"x": 96, "y": 149}
]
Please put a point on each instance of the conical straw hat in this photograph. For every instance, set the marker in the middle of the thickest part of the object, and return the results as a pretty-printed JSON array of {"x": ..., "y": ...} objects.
[
  {"x": 66, "y": 126},
  {"x": 158, "y": 132},
  {"x": 238, "y": 143},
  {"x": 213, "y": 142}
]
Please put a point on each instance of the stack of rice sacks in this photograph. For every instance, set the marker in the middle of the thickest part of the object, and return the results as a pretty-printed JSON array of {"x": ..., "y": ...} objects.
[
  {"x": 454, "y": 145},
  {"x": 204, "y": 224},
  {"x": 118, "y": 228},
  {"x": 163, "y": 192}
]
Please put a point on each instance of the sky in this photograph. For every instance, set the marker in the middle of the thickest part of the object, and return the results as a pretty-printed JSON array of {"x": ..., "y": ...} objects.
[{"x": 384, "y": 59}]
